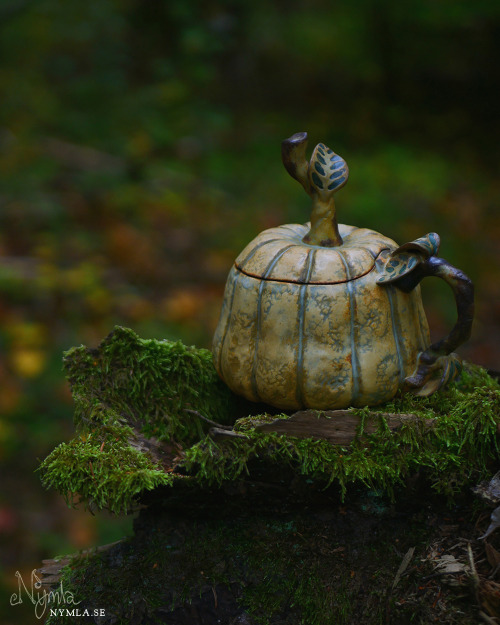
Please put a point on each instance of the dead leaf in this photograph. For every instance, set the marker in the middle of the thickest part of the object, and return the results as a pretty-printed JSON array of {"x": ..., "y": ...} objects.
[
  {"x": 492, "y": 555},
  {"x": 448, "y": 564},
  {"x": 489, "y": 491},
  {"x": 494, "y": 523},
  {"x": 489, "y": 597}
]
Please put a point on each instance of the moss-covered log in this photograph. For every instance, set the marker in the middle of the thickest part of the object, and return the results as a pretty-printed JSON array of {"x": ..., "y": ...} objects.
[
  {"x": 144, "y": 410},
  {"x": 251, "y": 517}
]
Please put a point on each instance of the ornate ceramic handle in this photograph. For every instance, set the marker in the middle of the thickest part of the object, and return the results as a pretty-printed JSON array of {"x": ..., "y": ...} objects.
[{"x": 407, "y": 266}]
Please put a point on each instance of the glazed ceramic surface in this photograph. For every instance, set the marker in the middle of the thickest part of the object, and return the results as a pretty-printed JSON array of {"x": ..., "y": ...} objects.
[
  {"x": 326, "y": 316},
  {"x": 306, "y": 326}
]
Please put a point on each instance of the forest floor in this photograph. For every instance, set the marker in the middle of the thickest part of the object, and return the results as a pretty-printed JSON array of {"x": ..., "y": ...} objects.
[{"x": 249, "y": 554}]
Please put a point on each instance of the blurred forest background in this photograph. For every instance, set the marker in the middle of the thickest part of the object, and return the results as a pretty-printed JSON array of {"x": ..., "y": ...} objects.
[{"x": 140, "y": 152}]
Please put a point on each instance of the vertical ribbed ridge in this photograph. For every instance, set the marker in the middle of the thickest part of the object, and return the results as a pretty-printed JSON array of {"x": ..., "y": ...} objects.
[
  {"x": 253, "y": 252},
  {"x": 395, "y": 332},
  {"x": 302, "y": 311},
  {"x": 265, "y": 275},
  {"x": 355, "y": 368},
  {"x": 237, "y": 274}
]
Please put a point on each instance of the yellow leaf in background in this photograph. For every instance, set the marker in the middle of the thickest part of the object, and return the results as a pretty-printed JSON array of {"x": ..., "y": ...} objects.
[{"x": 28, "y": 362}]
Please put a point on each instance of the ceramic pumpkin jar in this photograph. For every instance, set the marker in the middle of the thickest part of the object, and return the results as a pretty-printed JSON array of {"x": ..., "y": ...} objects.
[{"x": 327, "y": 316}]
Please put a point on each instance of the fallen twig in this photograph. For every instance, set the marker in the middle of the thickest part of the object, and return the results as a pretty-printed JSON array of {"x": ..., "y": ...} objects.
[
  {"x": 226, "y": 433},
  {"x": 203, "y": 418},
  {"x": 402, "y": 568},
  {"x": 473, "y": 571},
  {"x": 488, "y": 619}
]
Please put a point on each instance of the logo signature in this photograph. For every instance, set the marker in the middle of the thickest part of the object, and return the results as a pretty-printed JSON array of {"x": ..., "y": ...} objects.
[{"x": 43, "y": 599}]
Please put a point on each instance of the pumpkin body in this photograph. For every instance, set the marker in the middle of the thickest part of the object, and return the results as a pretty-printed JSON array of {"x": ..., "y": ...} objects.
[{"x": 306, "y": 326}]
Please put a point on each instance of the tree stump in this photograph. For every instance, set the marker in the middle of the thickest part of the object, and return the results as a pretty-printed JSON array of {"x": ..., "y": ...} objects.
[{"x": 249, "y": 516}]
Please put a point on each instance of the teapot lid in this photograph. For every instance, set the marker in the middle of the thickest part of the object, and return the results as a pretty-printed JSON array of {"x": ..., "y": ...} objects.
[
  {"x": 322, "y": 251},
  {"x": 281, "y": 254}
]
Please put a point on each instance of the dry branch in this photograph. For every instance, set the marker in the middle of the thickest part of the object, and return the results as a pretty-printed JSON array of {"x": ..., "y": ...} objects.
[{"x": 339, "y": 427}]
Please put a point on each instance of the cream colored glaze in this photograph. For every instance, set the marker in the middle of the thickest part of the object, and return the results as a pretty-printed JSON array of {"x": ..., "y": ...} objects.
[{"x": 311, "y": 328}]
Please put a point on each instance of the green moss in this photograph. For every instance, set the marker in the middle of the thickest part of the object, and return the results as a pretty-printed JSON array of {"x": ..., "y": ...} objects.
[
  {"x": 453, "y": 449},
  {"x": 148, "y": 383},
  {"x": 107, "y": 474},
  {"x": 130, "y": 389}
]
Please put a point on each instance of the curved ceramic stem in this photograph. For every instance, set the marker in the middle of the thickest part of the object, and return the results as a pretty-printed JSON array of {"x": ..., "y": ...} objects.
[
  {"x": 293, "y": 155},
  {"x": 324, "y": 227},
  {"x": 321, "y": 177}
]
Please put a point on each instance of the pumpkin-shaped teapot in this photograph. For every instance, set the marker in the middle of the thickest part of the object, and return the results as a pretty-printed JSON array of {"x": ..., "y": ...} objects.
[{"x": 327, "y": 316}]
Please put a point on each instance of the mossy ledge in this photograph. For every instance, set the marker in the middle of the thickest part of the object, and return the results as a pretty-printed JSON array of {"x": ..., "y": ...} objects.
[{"x": 143, "y": 411}]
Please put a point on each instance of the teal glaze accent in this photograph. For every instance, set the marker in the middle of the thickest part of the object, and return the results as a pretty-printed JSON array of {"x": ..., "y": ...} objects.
[
  {"x": 258, "y": 325},
  {"x": 355, "y": 368},
  {"x": 406, "y": 257},
  {"x": 338, "y": 176},
  {"x": 301, "y": 315},
  {"x": 400, "y": 264},
  {"x": 337, "y": 170},
  {"x": 317, "y": 180},
  {"x": 335, "y": 184},
  {"x": 428, "y": 243},
  {"x": 395, "y": 332},
  {"x": 319, "y": 169},
  {"x": 436, "y": 242}
]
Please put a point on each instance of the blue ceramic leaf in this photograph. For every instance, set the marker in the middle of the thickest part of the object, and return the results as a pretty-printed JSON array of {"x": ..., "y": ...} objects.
[
  {"x": 427, "y": 245},
  {"x": 328, "y": 171},
  {"x": 406, "y": 257},
  {"x": 397, "y": 266}
]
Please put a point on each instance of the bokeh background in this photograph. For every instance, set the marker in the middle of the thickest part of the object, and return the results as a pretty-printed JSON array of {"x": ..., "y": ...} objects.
[{"x": 140, "y": 152}]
